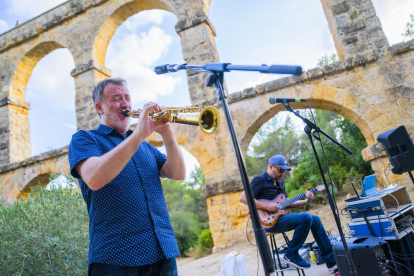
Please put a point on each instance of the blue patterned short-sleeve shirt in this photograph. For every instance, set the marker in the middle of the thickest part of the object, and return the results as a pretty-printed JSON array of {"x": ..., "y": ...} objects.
[{"x": 129, "y": 222}]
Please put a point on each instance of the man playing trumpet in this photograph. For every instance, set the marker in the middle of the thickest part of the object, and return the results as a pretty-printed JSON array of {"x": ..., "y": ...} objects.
[{"x": 119, "y": 177}]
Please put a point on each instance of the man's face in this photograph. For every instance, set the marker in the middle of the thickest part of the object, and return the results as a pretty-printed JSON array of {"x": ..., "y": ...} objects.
[
  {"x": 116, "y": 99},
  {"x": 277, "y": 172}
]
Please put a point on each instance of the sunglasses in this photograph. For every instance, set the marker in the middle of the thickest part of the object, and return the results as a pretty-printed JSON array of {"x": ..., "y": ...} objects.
[{"x": 280, "y": 169}]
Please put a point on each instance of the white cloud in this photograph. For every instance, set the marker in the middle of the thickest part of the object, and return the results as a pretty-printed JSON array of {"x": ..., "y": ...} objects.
[
  {"x": 70, "y": 126},
  {"x": 145, "y": 18},
  {"x": 30, "y": 8},
  {"x": 51, "y": 80},
  {"x": 394, "y": 15},
  {"x": 143, "y": 49},
  {"x": 3, "y": 26},
  {"x": 245, "y": 80},
  {"x": 132, "y": 57}
]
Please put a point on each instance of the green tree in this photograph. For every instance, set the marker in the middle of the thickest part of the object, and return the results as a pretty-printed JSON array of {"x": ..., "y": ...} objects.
[
  {"x": 275, "y": 137},
  {"x": 187, "y": 196},
  {"x": 325, "y": 60},
  {"x": 186, "y": 229},
  {"x": 409, "y": 29},
  {"x": 199, "y": 203},
  {"x": 188, "y": 213},
  {"x": 344, "y": 168},
  {"x": 45, "y": 234}
]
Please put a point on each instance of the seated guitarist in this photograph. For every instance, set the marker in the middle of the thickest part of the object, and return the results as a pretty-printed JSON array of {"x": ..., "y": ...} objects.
[{"x": 268, "y": 185}]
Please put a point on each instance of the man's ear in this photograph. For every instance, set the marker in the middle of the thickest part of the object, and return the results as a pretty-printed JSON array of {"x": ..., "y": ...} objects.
[{"x": 99, "y": 108}]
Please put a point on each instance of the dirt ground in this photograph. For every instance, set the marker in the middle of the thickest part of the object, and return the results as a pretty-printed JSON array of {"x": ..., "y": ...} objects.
[{"x": 211, "y": 265}]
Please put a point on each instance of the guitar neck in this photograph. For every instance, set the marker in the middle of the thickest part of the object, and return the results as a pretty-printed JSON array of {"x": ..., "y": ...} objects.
[{"x": 296, "y": 198}]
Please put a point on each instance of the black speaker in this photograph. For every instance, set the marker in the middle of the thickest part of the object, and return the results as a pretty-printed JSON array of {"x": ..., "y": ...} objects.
[
  {"x": 400, "y": 149},
  {"x": 369, "y": 255}
]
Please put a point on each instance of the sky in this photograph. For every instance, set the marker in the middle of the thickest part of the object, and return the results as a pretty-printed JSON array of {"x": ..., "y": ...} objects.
[{"x": 293, "y": 32}]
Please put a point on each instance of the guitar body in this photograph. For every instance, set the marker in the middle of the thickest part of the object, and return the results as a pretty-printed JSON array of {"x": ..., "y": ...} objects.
[{"x": 269, "y": 219}]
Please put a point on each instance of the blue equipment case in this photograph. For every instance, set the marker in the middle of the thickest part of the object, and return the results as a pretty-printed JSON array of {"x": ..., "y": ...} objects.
[
  {"x": 387, "y": 228},
  {"x": 384, "y": 203},
  {"x": 385, "y": 212}
]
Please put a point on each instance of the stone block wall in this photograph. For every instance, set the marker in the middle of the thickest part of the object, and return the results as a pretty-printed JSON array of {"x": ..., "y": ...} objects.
[
  {"x": 355, "y": 27},
  {"x": 18, "y": 177},
  {"x": 372, "y": 85}
]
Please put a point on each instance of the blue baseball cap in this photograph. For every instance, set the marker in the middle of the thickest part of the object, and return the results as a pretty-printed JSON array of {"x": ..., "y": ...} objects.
[{"x": 280, "y": 161}]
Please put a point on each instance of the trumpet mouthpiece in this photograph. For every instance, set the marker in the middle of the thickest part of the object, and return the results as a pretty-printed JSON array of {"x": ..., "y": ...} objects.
[{"x": 126, "y": 113}]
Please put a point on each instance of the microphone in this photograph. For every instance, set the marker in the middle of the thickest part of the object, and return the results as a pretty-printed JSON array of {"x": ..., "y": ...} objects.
[
  {"x": 166, "y": 68},
  {"x": 273, "y": 100},
  {"x": 285, "y": 69}
]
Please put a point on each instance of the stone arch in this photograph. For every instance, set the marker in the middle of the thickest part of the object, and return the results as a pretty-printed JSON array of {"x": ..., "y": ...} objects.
[
  {"x": 43, "y": 179},
  {"x": 315, "y": 104},
  {"x": 117, "y": 17},
  {"x": 26, "y": 65},
  {"x": 37, "y": 169}
]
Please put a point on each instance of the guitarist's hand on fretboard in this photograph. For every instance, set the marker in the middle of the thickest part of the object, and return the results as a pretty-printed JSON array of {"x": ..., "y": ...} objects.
[{"x": 309, "y": 196}]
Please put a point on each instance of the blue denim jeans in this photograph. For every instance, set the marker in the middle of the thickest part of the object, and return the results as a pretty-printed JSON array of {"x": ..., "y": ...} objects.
[
  {"x": 302, "y": 223},
  {"x": 166, "y": 267}
]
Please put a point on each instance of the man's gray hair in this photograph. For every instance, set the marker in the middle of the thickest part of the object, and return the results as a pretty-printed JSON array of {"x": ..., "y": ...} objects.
[{"x": 98, "y": 90}]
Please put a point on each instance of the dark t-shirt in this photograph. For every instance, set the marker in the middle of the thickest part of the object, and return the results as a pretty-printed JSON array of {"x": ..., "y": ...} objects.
[{"x": 263, "y": 187}]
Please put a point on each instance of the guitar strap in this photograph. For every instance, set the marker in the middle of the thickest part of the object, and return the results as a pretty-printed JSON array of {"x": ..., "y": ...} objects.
[{"x": 281, "y": 188}]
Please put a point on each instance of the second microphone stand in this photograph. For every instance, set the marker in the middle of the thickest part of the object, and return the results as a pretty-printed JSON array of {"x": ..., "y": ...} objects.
[{"x": 308, "y": 130}]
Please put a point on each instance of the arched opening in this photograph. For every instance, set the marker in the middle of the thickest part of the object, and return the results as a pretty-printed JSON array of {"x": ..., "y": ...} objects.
[
  {"x": 111, "y": 24},
  {"x": 283, "y": 134},
  {"x": 51, "y": 93},
  {"x": 43, "y": 179},
  {"x": 270, "y": 32},
  {"x": 142, "y": 42},
  {"x": 27, "y": 64},
  {"x": 350, "y": 114}
]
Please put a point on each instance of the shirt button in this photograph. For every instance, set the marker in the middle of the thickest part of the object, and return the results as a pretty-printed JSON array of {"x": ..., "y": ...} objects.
[{"x": 156, "y": 230}]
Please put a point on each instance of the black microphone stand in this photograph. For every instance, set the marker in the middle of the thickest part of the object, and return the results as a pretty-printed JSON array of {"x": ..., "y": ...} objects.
[
  {"x": 216, "y": 79},
  {"x": 308, "y": 130}
]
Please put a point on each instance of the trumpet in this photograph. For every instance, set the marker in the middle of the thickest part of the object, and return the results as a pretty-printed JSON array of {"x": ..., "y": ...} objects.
[{"x": 208, "y": 118}]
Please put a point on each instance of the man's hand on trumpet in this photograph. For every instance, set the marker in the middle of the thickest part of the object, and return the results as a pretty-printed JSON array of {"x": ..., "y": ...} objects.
[{"x": 146, "y": 125}]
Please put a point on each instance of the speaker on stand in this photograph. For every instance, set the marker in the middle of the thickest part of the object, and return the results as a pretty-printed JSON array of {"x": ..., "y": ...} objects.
[{"x": 400, "y": 150}]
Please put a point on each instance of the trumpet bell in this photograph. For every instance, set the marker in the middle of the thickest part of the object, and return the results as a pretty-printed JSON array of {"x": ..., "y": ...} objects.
[{"x": 208, "y": 119}]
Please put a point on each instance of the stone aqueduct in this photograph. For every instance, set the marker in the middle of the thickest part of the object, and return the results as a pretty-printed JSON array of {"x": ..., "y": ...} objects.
[{"x": 372, "y": 85}]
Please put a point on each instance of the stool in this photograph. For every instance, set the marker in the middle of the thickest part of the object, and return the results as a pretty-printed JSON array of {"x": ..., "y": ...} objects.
[{"x": 274, "y": 250}]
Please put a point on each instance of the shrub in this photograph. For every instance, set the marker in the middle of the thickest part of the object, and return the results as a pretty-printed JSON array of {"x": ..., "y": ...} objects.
[
  {"x": 45, "y": 234},
  {"x": 205, "y": 240},
  {"x": 204, "y": 246},
  {"x": 186, "y": 230}
]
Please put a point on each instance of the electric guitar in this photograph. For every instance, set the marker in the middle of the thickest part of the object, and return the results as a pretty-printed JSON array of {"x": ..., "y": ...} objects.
[{"x": 269, "y": 219}]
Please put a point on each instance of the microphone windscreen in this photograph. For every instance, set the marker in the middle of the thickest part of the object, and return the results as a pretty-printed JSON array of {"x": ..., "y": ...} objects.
[
  {"x": 161, "y": 69},
  {"x": 285, "y": 69},
  {"x": 272, "y": 100}
]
